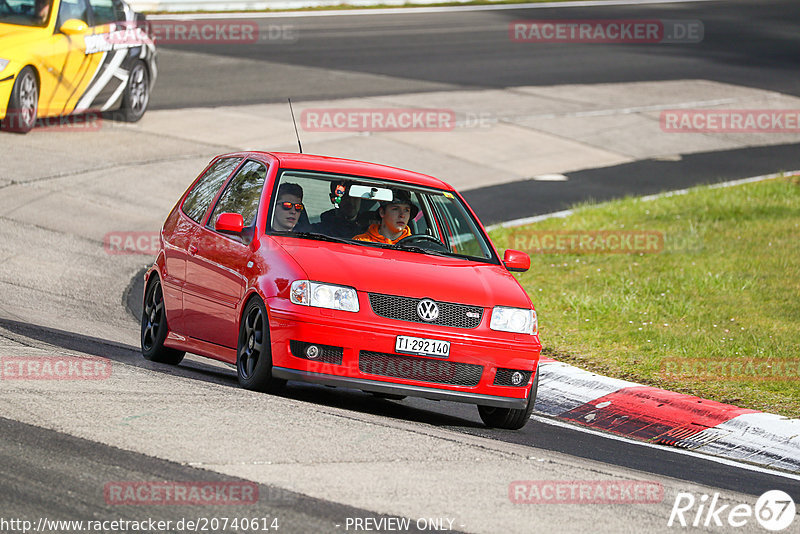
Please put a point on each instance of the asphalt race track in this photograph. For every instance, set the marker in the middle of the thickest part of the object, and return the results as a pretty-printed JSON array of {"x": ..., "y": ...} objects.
[
  {"x": 317, "y": 457},
  {"x": 745, "y": 43},
  {"x": 750, "y": 44}
]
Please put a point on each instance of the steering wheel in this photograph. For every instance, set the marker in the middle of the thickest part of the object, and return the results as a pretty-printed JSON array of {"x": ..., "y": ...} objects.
[{"x": 424, "y": 241}]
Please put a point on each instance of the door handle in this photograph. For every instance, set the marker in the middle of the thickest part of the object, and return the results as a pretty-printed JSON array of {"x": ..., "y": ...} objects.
[{"x": 192, "y": 250}]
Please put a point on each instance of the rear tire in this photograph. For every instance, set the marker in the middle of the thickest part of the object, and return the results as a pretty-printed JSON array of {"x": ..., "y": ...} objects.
[
  {"x": 154, "y": 327},
  {"x": 254, "y": 352},
  {"x": 510, "y": 418},
  {"x": 23, "y": 106},
  {"x": 137, "y": 94}
]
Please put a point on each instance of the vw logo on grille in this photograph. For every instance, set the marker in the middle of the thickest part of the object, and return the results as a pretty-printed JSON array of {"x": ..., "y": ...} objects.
[{"x": 427, "y": 310}]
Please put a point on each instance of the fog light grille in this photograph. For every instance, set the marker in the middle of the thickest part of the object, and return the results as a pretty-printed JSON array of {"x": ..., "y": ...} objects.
[
  {"x": 505, "y": 377},
  {"x": 325, "y": 354}
]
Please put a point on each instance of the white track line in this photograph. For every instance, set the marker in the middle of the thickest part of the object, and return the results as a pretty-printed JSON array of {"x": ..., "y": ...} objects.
[{"x": 717, "y": 459}]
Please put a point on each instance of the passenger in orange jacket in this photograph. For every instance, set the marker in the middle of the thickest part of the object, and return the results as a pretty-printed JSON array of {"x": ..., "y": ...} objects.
[{"x": 394, "y": 220}]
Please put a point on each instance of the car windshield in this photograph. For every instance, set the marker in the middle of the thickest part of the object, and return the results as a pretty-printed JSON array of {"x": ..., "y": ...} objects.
[
  {"x": 25, "y": 12},
  {"x": 372, "y": 212}
]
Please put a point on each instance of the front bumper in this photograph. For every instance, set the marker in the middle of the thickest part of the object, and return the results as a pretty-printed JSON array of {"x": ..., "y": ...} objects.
[
  {"x": 428, "y": 377},
  {"x": 7, "y": 79},
  {"x": 399, "y": 389}
]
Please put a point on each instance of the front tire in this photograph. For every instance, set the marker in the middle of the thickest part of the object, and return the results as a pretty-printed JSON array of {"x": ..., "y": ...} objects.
[
  {"x": 155, "y": 329},
  {"x": 510, "y": 418},
  {"x": 23, "y": 106},
  {"x": 137, "y": 93},
  {"x": 254, "y": 352}
]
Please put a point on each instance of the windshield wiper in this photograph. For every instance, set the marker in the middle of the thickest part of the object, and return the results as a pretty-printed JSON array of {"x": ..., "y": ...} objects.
[
  {"x": 320, "y": 237},
  {"x": 414, "y": 248}
]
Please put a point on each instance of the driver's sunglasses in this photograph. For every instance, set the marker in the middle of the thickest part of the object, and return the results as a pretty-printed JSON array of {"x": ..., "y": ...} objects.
[{"x": 288, "y": 205}]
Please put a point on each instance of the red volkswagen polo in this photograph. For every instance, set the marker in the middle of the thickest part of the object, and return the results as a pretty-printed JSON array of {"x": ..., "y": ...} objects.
[{"x": 343, "y": 273}]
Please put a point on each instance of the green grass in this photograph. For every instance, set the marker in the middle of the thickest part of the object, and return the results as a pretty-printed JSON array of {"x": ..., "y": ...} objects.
[{"x": 726, "y": 286}]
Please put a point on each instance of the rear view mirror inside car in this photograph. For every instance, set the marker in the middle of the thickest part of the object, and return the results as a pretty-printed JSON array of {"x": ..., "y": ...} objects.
[{"x": 373, "y": 193}]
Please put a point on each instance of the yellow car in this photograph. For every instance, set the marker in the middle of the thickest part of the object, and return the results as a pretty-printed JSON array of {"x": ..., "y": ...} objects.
[{"x": 59, "y": 57}]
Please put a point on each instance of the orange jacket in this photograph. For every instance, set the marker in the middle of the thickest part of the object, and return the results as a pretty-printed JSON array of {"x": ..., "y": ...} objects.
[{"x": 373, "y": 234}]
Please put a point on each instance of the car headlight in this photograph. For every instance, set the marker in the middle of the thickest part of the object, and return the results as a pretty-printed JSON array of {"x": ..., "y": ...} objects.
[
  {"x": 4, "y": 63},
  {"x": 517, "y": 320},
  {"x": 307, "y": 293}
]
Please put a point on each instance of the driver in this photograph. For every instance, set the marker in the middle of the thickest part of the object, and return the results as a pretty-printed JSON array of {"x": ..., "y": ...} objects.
[
  {"x": 42, "y": 9},
  {"x": 394, "y": 220}
]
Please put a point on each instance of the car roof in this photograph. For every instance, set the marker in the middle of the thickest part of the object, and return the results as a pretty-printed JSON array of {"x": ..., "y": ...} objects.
[{"x": 310, "y": 162}]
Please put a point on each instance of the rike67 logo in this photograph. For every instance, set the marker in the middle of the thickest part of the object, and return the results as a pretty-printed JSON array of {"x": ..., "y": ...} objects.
[{"x": 774, "y": 511}]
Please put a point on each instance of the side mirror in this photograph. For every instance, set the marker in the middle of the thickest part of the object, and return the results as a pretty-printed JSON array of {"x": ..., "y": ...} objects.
[
  {"x": 73, "y": 27},
  {"x": 229, "y": 223},
  {"x": 516, "y": 261}
]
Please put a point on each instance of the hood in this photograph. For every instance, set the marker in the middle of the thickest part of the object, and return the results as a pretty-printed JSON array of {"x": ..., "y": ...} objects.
[
  {"x": 13, "y": 36},
  {"x": 410, "y": 274}
]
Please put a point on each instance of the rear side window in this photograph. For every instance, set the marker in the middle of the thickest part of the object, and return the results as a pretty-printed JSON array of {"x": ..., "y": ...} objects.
[
  {"x": 243, "y": 194},
  {"x": 199, "y": 198}
]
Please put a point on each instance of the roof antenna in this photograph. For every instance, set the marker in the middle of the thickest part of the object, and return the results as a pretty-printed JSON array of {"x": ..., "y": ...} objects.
[{"x": 295, "y": 126}]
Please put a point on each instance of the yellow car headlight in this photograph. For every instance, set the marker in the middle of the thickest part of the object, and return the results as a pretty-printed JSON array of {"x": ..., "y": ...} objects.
[{"x": 3, "y": 63}]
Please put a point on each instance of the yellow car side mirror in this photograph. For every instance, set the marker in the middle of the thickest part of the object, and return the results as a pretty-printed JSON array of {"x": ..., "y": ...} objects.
[{"x": 74, "y": 26}]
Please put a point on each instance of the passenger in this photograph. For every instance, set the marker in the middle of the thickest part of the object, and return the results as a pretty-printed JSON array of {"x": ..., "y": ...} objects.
[
  {"x": 394, "y": 220},
  {"x": 42, "y": 10},
  {"x": 288, "y": 208},
  {"x": 341, "y": 220}
]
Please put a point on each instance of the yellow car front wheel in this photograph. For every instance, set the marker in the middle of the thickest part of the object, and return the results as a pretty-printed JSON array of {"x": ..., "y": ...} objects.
[{"x": 23, "y": 104}]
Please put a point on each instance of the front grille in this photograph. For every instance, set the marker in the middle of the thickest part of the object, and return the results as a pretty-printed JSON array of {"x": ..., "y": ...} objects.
[
  {"x": 503, "y": 377},
  {"x": 327, "y": 353},
  {"x": 421, "y": 369},
  {"x": 405, "y": 309}
]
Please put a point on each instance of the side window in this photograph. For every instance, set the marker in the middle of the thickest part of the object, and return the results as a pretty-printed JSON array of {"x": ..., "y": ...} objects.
[
  {"x": 461, "y": 232},
  {"x": 106, "y": 11},
  {"x": 25, "y": 12},
  {"x": 199, "y": 198},
  {"x": 242, "y": 195},
  {"x": 73, "y": 9},
  {"x": 420, "y": 224}
]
